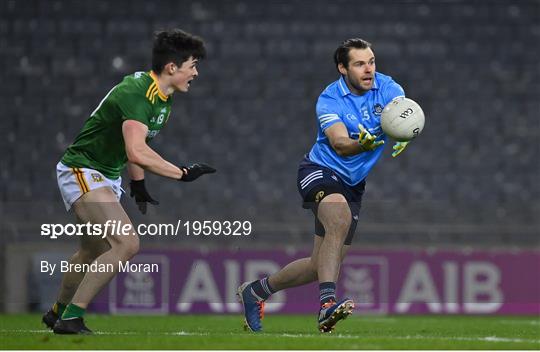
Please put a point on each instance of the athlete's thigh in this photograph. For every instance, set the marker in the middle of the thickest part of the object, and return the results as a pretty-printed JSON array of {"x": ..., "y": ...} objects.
[
  {"x": 100, "y": 206},
  {"x": 334, "y": 212}
]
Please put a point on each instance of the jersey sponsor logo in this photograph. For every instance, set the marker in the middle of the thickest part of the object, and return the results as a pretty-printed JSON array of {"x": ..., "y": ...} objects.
[{"x": 138, "y": 74}]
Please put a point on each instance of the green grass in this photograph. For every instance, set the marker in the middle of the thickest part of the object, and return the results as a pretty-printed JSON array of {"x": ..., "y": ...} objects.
[{"x": 281, "y": 332}]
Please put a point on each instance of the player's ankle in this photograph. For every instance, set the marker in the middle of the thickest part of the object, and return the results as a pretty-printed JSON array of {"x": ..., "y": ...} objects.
[
  {"x": 73, "y": 311},
  {"x": 262, "y": 288},
  {"x": 327, "y": 292},
  {"x": 58, "y": 308}
]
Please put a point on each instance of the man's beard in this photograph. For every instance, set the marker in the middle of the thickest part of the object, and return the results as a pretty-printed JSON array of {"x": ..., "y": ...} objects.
[{"x": 357, "y": 85}]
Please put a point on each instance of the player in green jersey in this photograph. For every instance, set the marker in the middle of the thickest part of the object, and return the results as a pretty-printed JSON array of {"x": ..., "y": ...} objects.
[{"x": 116, "y": 135}]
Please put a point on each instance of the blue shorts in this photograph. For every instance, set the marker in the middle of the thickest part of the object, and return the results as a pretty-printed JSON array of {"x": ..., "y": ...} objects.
[{"x": 316, "y": 182}]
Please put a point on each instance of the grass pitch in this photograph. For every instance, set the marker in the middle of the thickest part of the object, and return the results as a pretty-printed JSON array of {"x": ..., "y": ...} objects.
[{"x": 281, "y": 332}]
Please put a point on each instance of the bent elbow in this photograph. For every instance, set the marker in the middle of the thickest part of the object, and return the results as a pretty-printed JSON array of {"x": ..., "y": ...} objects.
[{"x": 339, "y": 150}]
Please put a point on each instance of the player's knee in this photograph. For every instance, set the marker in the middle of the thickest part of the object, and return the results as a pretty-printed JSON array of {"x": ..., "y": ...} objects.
[
  {"x": 88, "y": 255},
  {"x": 129, "y": 249},
  {"x": 343, "y": 224},
  {"x": 313, "y": 263},
  {"x": 85, "y": 256}
]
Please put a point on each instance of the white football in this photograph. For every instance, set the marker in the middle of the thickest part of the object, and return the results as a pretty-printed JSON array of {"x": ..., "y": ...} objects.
[{"x": 402, "y": 119}]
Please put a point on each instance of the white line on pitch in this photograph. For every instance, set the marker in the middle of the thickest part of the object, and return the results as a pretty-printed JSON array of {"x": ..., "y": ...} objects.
[
  {"x": 420, "y": 337},
  {"x": 337, "y": 336}
]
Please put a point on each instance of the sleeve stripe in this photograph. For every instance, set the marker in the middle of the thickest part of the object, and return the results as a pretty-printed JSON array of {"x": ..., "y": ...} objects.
[
  {"x": 327, "y": 115},
  {"x": 327, "y": 120},
  {"x": 326, "y": 125}
]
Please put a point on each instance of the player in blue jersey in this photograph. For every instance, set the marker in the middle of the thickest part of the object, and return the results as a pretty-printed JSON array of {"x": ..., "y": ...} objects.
[{"x": 331, "y": 181}]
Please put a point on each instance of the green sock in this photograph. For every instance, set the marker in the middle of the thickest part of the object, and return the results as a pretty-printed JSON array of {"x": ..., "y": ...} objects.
[
  {"x": 73, "y": 311},
  {"x": 59, "y": 308}
]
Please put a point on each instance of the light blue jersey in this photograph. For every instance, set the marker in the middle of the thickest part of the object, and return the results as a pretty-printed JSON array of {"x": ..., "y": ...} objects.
[{"x": 337, "y": 104}]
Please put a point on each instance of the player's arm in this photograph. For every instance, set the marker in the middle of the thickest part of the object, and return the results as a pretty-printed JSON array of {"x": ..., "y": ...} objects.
[
  {"x": 135, "y": 172},
  {"x": 345, "y": 146},
  {"x": 140, "y": 154},
  {"x": 138, "y": 188},
  {"x": 328, "y": 114}
]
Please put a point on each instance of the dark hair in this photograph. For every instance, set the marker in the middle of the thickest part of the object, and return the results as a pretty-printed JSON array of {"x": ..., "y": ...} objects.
[
  {"x": 175, "y": 46},
  {"x": 341, "y": 55}
]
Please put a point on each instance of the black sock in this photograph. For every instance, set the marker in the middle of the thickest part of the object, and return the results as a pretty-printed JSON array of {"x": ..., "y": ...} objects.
[
  {"x": 327, "y": 291},
  {"x": 262, "y": 288},
  {"x": 59, "y": 308}
]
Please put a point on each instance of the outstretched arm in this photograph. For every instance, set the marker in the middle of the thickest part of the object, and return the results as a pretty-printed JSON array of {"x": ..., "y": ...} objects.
[
  {"x": 140, "y": 154},
  {"x": 345, "y": 146}
]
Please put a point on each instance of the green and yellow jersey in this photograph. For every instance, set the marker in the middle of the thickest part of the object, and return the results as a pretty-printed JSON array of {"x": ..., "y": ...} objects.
[{"x": 100, "y": 143}]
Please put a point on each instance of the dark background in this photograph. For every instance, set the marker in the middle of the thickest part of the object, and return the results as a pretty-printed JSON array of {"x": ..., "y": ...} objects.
[{"x": 471, "y": 178}]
